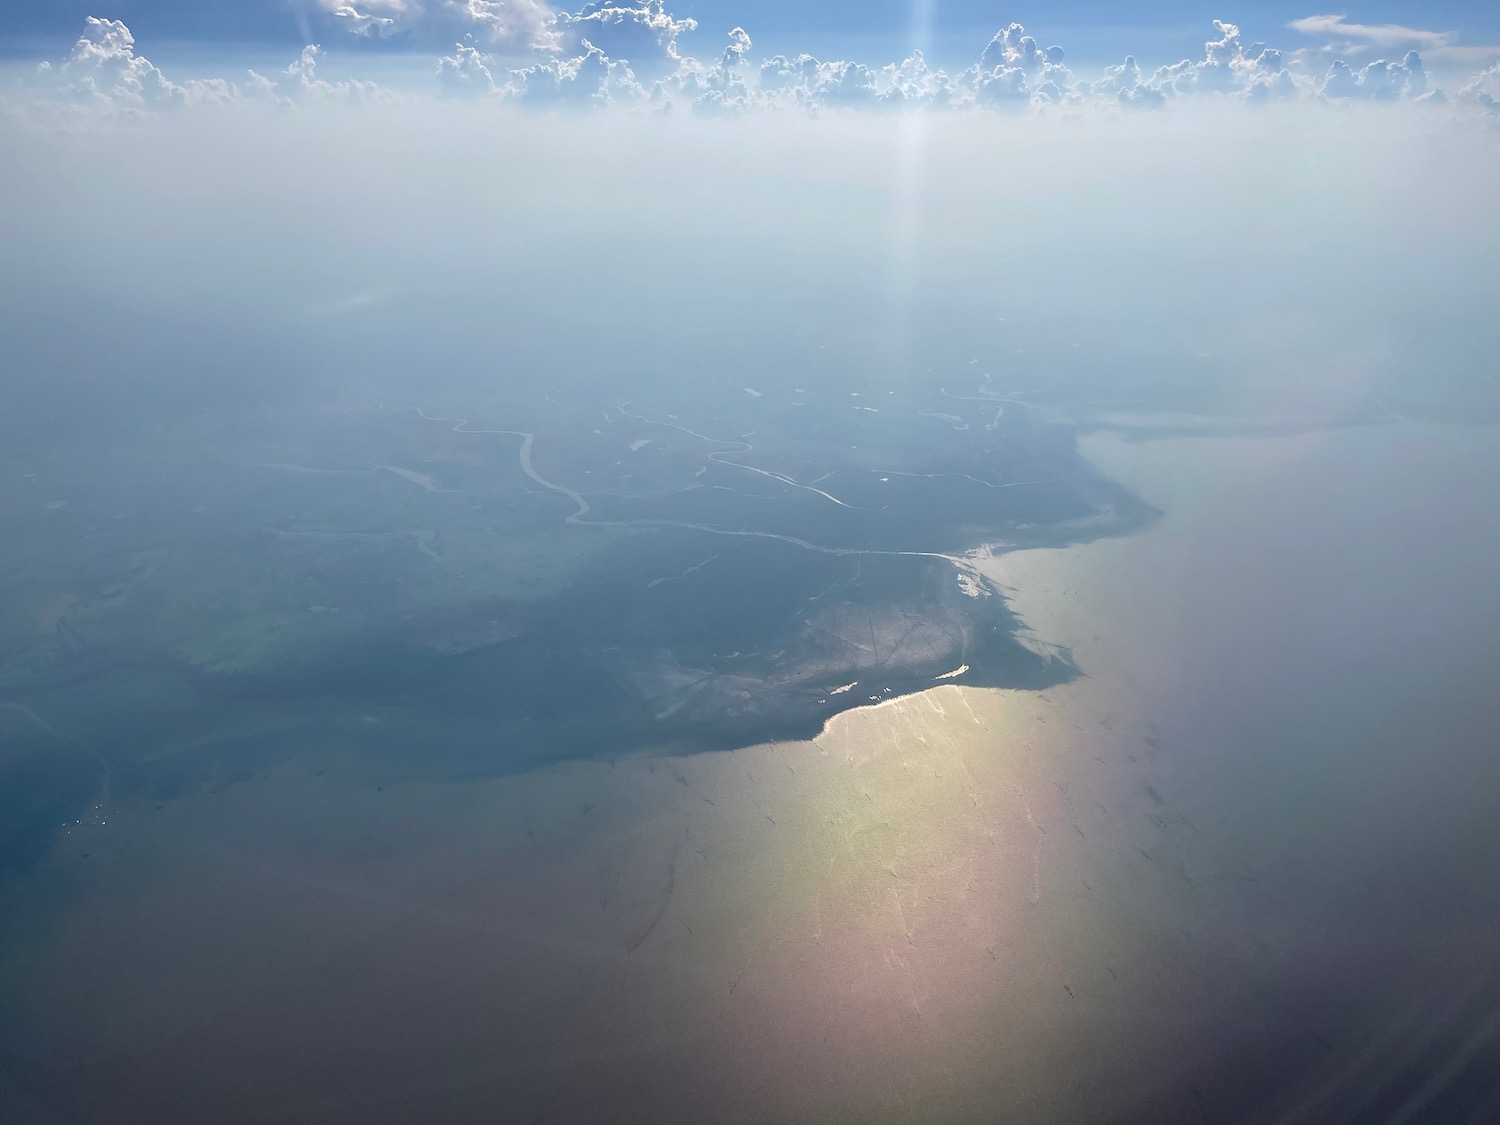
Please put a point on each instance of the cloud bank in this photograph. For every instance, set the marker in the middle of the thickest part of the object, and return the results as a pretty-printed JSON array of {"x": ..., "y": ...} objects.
[{"x": 633, "y": 56}]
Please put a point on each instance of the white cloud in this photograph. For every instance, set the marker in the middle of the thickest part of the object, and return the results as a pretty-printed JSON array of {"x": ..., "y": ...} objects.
[
  {"x": 103, "y": 73},
  {"x": 524, "y": 23},
  {"x": 104, "y": 70},
  {"x": 618, "y": 53},
  {"x": 1380, "y": 79},
  {"x": 1483, "y": 90},
  {"x": 299, "y": 82},
  {"x": 645, "y": 35},
  {"x": 1385, "y": 35},
  {"x": 1230, "y": 67},
  {"x": 367, "y": 17},
  {"x": 1012, "y": 48},
  {"x": 1358, "y": 43},
  {"x": 1128, "y": 86},
  {"x": 1013, "y": 72},
  {"x": 464, "y": 73},
  {"x": 738, "y": 50},
  {"x": 591, "y": 79}
]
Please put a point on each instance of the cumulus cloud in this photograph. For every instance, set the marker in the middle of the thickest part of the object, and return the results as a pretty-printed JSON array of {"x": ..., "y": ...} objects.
[
  {"x": 103, "y": 73},
  {"x": 528, "y": 22},
  {"x": 738, "y": 50},
  {"x": 1013, "y": 49},
  {"x": 1380, "y": 79},
  {"x": 1230, "y": 67},
  {"x": 591, "y": 79},
  {"x": 1126, "y": 84},
  {"x": 299, "y": 82},
  {"x": 103, "y": 70},
  {"x": 718, "y": 90},
  {"x": 1014, "y": 69},
  {"x": 523, "y": 23},
  {"x": 1483, "y": 90},
  {"x": 464, "y": 73},
  {"x": 644, "y": 34},
  {"x": 1013, "y": 72},
  {"x": 633, "y": 53}
]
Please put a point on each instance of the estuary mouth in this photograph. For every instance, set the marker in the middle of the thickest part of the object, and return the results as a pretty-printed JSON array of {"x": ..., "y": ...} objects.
[{"x": 597, "y": 583}]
